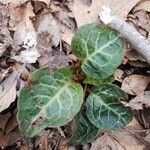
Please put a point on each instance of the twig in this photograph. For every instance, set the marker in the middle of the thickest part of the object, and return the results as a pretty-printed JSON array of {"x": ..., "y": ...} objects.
[{"x": 133, "y": 37}]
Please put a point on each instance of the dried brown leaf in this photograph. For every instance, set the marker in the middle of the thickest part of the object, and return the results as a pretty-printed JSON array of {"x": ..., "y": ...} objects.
[
  {"x": 143, "y": 20},
  {"x": 12, "y": 123},
  {"x": 5, "y": 39},
  {"x": 27, "y": 56},
  {"x": 143, "y": 5},
  {"x": 119, "y": 75},
  {"x": 135, "y": 84},
  {"x": 25, "y": 33},
  {"x": 65, "y": 17},
  {"x": 106, "y": 142},
  {"x": 128, "y": 140},
  {"x": 11, "y": 138},
  {"x": 54, "y": 60},
  {"x": 3, "y": 120},
  {"x": 7, "y": 92},
  {"x": 84, "y": 14},
  {"x": 120, "y": 140},
  {"x": 143, "y": 99},
  {"x": 132, "y": 55},
  {"x": 48, "y": 31},
  {"x": 10, "y": 132}
]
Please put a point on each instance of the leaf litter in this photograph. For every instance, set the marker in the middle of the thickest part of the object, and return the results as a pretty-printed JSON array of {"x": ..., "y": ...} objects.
[{"x": 38, "y": 34}]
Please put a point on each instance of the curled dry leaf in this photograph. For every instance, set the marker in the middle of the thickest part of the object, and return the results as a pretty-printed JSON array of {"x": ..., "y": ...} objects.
[
  {"x": 132, "y": 55},
  {"x": 7, "y": 92},
  {"x": 5, "y": 39},
  {"x": 65, "y": 18},
  {"x": 143, "y": 99},
  {"x": 66, "y": 24},
  {"x": 27, "y": 56},
  {"x": 119, "y": 75},
  {"x": 143, "y": 5},
  {"x": 23, "y": 36},
  {"x": 25, "y": 33},
  {"x": 143, "y": 21},
  {"x": 135, "y": 84},
  {"x": 17, "y": 16},
  {"x": 44, "y": 1},
  {"x": 135, "y": 59}
]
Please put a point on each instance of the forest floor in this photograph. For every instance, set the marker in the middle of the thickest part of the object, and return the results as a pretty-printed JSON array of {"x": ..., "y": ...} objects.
[{"x": 55, "y": 22}]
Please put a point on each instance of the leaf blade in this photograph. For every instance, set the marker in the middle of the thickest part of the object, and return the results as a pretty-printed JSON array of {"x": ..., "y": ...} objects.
[
  {"x": 101, "y": 49},
  {"x": 83, "y": 130},
  {"x": 53, "y": 101},
  {"x": 104, "y": 110}
]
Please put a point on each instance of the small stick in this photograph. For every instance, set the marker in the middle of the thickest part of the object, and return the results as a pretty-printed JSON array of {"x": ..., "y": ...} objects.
[{"x": 132, "y": 36}]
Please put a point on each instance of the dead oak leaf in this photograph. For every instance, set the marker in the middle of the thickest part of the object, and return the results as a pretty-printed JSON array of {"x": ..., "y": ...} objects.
[
  {"x": 27, "y": 56},
  {"x": 8, "y": 92},
  {"x": 128, "y": 140},
  {"x": 25, "y": 33},
  {"x": 143, "y": 21},
  {"x": 132, "y": 55},
  {"x": 3, "y": 120},
  {"x": 119, "y": 75},
  {"x": 143, "y": 99},
  {"x": 5, "y": 39},
  {"x": 135, "y": 84},
  {"x": 54, "y": 60},
  {"x": 84, "y": 14},
  {"x": 143, "y": 5},
  {"x": 120, "y": 140},
  {"x": 11, "y": 138},
  {"x": 106, "y": 142},
  {"x": 48, "y": 31}
]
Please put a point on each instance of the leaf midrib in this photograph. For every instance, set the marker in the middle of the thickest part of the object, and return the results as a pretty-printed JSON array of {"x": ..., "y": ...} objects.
[
  {"x": 100, "y": 49},
  {"x": 47, "y": 104},
  {"x": 101, "y": 100}
]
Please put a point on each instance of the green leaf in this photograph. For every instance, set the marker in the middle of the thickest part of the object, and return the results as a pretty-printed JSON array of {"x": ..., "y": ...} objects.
[
  {"x": 104, "y": 109},
  {"x": 53, "y": 101},
  {"x": 96, "y": 82},
  {"x": 38, "y": 74},
  {"x": 100, "y": 48},
  {"x": 83, "y": 130}
]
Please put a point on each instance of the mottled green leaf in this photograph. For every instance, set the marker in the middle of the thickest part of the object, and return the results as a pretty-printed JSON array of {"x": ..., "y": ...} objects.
[
  {"x": 38, "y": 74},
  {"x": 100, "y": 48},
  {"x": 53, "y": 101},
  {"x": 96, "y": 82},
  {"x": 104, "y": 109},
  {"x": 83, "y": 130}
]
